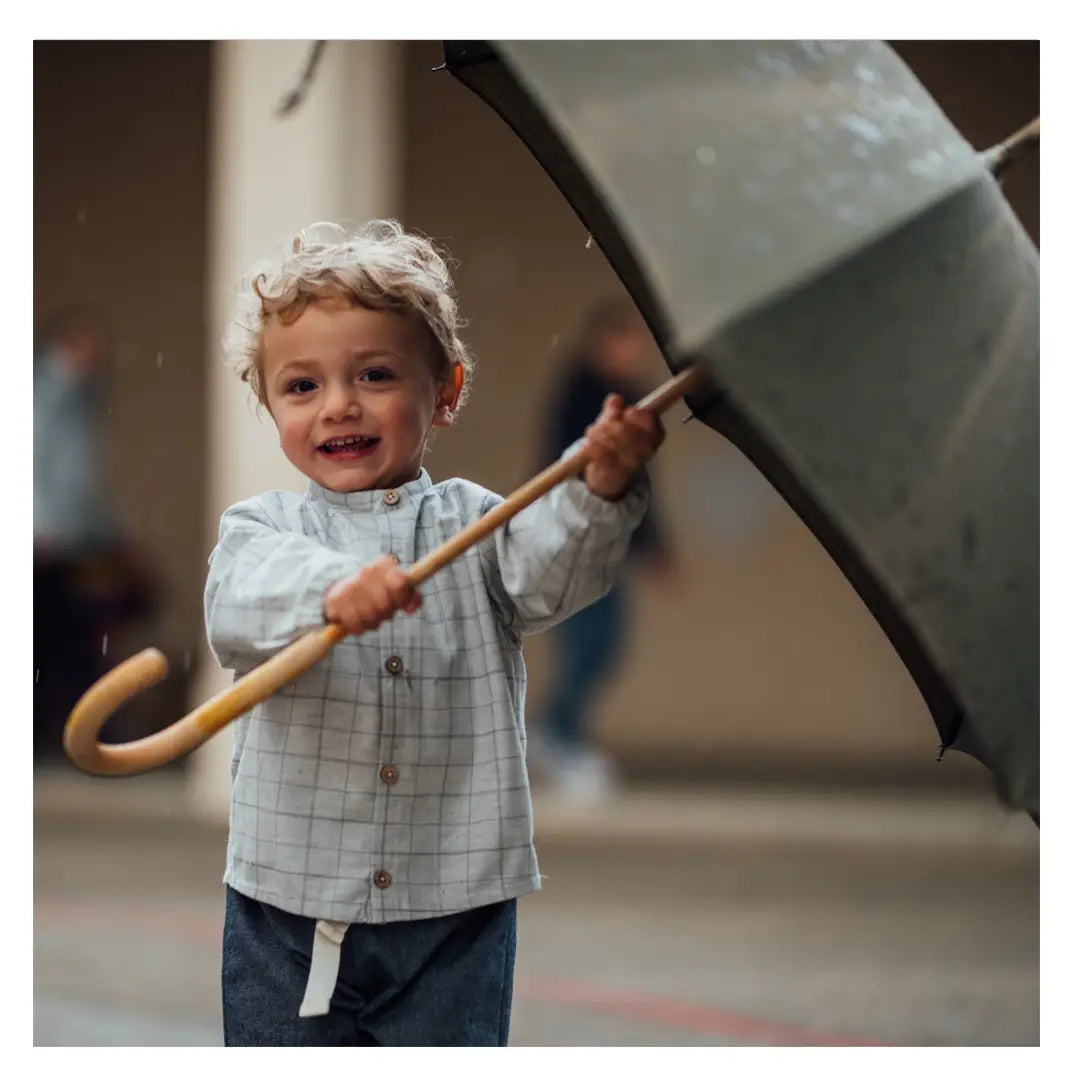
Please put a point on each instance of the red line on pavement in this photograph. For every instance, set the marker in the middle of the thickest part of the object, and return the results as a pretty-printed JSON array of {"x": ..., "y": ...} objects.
[
  {"x": 166, "y": 922},
  {"x": 669, "y": 1012}
]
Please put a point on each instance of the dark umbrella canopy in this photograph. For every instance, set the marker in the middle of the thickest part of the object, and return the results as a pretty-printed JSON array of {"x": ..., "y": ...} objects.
[{"x": 801, "y": 218}]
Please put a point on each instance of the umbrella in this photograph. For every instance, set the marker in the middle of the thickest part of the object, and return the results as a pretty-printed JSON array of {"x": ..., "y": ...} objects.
[{"x": 803, "y": 221}]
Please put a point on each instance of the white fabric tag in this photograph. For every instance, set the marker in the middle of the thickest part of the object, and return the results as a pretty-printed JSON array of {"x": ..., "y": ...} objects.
[{"x": 325, "y": 960}]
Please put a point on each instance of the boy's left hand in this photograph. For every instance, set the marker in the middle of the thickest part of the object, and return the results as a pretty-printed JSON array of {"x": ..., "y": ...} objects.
[{"x": 619, "y": 442}]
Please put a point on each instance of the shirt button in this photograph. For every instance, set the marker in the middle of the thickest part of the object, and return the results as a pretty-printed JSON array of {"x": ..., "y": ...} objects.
[
  {"x": 382, "y": 879},
  {"x": 394, "y": 665},
  {"x": 388, "y": 774},
  {"x": 391, "y": 498}
]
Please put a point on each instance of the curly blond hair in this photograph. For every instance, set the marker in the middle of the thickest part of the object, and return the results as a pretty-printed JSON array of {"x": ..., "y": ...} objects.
[{"x": 378, "y": 266}]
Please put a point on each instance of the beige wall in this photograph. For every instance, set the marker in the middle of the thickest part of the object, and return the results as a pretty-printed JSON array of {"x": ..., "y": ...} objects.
[{"x": 120, "y": 178}]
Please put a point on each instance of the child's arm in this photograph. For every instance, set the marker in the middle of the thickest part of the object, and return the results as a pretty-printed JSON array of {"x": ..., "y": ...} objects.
[
  {"x": 266, "y": 585},
  {"x": 564, "y": 551}
]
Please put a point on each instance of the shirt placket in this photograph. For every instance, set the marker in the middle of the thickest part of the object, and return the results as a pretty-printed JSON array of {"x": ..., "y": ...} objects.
[{"x": 392, "y": 516}]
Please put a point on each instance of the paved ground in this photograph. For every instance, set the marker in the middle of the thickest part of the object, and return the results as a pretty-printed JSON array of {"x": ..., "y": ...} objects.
[{"x": 666, "y": 919}]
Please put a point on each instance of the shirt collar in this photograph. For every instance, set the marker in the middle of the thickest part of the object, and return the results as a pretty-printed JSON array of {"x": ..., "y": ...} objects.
[{"x": 369, "y": 499}]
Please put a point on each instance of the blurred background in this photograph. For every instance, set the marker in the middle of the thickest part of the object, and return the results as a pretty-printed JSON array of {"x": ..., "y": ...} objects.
[{"x": 770, "y": 853}]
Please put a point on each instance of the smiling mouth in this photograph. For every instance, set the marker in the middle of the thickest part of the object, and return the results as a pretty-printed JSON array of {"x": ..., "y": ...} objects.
[{"x": 348, "y": 446}]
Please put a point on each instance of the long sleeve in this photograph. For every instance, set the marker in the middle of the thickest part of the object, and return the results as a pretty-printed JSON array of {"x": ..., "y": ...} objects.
[
  {"x": 576, "y": 401},
  {"x": 265, "y": 586},
  {"x": 561, "y": 553}
]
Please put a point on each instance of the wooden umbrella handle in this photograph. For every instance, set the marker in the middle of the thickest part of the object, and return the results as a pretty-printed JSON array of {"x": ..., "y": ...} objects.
[
  {"x": 657, "y": 401},
  {"x": 149, "y": 666}
]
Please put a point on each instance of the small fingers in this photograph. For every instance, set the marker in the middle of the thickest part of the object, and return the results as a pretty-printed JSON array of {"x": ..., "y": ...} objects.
[
  {"x": 367, "y": 600},
  {"x": 613, "y": 449},
  {"x": 401, "y": 592},
  {"x": 632, "y": 443},
  {"x": 613, "y": 405},
  {"x": 647, "y": 422}
]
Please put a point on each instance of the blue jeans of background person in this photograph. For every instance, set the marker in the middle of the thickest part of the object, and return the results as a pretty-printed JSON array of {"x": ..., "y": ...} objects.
[
  {"x": 588, "y": 647},
  {"x": 445, "y": 981}
]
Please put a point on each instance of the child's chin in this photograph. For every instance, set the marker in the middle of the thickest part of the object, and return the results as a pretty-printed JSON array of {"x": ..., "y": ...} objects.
[{"x": 345, "y": 480}]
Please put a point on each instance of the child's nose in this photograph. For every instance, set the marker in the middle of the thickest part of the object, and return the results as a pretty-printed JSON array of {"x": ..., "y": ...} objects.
[{"x": 341, "y": 401}]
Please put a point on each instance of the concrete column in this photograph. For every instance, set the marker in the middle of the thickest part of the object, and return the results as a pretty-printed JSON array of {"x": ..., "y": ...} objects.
[{"x": 336, "y": 157}]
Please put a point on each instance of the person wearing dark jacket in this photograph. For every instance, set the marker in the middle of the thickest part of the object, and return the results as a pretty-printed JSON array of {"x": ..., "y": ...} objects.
[
  {"x": 88, "y": 577},
  {"x": 608, "y": 357}
]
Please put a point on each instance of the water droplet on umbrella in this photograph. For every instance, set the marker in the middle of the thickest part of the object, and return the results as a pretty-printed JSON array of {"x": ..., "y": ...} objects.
[
  {"x": 104, "y": 644},
  {"x": 927, "y": 166},
  {"x": 706, "y": 155},
  {"x": 863, "y": 128},
  {"x": 776, "y": 65},
  {"x": 851, "y": 215}
]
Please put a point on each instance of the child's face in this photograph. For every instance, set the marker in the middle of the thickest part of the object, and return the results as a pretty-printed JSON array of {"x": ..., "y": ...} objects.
[{"x": 353, "y": 394}]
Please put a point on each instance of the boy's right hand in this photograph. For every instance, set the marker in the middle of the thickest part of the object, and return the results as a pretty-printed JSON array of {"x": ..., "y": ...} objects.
[{"x": 370, "y": 597}]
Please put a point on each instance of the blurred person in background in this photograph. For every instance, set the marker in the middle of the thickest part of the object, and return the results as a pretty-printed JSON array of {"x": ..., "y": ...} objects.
[
  {"x": 87, "y": 578},
  {"x": 610, "y": 355}
]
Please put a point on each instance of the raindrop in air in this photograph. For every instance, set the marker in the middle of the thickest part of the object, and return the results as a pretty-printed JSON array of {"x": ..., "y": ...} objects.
[
  {"x": 706, "y": 155},
  {"x": 160, "y": 359},
  {"x": 187, "y": 660},
  {"x": 104, "y": 644},
  {"x": 37, "y": 673},
  {"x": 80, "y": 216}
]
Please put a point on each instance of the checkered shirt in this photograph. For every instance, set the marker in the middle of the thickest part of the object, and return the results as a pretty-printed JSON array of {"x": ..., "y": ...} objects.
[{"x": 388, "y": 781}]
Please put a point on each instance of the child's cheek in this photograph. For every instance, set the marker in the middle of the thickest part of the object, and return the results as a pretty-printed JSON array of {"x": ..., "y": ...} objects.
[{"x": 293, "y": 432}]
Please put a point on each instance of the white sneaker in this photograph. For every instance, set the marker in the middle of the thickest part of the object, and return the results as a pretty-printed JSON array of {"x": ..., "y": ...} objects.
[
  {"x": 585, "y": 778},
  {"x": 543, "y": 759}
]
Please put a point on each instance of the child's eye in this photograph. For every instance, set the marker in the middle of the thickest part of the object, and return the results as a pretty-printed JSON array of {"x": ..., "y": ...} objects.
[
  {"x": 301, "y": 386},
  {"x": 376, "y": 375}
]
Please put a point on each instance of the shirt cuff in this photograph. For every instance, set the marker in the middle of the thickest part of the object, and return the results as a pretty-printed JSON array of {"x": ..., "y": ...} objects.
[{"x": 629, "y": 507}]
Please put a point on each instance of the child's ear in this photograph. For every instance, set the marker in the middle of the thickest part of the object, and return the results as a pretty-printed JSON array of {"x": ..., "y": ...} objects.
[{"x": 449, "y": 396}]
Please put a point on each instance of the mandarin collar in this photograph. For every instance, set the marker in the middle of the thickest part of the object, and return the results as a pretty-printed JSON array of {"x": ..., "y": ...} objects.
[{"x": 370, "y": 498}]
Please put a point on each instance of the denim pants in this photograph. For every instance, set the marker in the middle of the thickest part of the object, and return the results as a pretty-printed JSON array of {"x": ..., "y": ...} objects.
[
  {"x": 588, "y": 646},
  {"x": 445, "y": 981}
]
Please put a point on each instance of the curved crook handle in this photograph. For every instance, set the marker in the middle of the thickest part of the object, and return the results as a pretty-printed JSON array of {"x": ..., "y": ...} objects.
[{"x": 143, "y": 670}]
